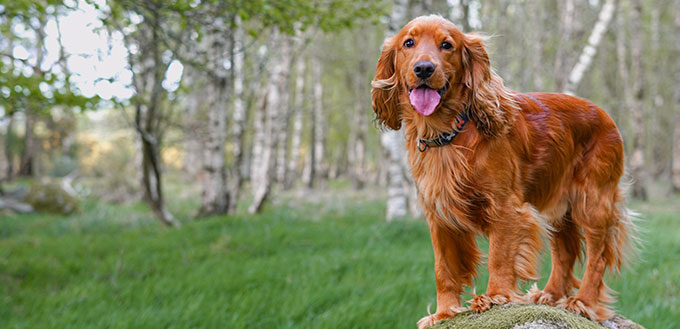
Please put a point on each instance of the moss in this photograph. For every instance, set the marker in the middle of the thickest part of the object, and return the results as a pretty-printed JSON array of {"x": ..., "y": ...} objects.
[
  {"x": 508, "y": 316},
  {"x": 49, "y": 196}
]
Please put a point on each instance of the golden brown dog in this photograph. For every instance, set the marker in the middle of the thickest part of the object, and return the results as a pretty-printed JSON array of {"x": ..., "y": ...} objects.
[{"x": 508, "y": 165}]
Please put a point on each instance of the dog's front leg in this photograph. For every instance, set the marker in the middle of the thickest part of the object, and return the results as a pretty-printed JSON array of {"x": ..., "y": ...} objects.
[
  {"x": 455, "y": 259},
  {"x": 514, "y": 243}
]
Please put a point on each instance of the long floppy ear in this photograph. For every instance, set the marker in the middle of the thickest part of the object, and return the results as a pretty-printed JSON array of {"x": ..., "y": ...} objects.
[
  {"x": 385, "y": 92},
  {"x": 491, "y": 106}
]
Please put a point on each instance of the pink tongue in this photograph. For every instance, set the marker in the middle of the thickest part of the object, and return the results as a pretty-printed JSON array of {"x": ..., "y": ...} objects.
[{"x": 424, "y": 100}]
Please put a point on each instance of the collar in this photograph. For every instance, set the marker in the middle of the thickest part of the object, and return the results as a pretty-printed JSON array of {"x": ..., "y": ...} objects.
[{"x": 445, "y": 138}]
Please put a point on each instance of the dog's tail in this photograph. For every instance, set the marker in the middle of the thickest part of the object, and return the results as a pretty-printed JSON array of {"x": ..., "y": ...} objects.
[{"x": 623, "y": 239}]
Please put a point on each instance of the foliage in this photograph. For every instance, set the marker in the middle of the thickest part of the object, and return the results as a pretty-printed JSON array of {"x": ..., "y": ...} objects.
[
  {"x": 30, "y": 84},
  {"x": 333, "y": 263}
]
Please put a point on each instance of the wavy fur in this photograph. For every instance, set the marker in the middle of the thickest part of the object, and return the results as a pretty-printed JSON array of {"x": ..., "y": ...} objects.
[{"x": 527, "y": 166}]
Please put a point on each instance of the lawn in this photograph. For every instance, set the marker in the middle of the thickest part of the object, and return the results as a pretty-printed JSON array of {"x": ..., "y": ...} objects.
[{"x": 332, "y": 263}]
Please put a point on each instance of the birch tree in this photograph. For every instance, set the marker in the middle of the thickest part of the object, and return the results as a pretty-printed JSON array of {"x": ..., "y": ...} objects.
[
  {"x": 239, "y": 111},
  {"x": 589, "y": 51},
  {"x": 319, "y": 133},
  {"x": 356, "y": 143},
  {"x": 566, "y": 27},
  {"x": 193, "y": 143},
  {"x": 149, "y": 70},
  {"x": 215, "y": 198},
  {"x": 637, "y": 111},
  {"x": 675, "y": 167},
  {"x": 265, "y": 141},
  {"x": 298, "y": 112},
  {"x": 392, "y": 141}
]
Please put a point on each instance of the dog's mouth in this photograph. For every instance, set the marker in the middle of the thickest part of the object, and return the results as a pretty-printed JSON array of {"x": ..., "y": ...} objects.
[{"x": 425, "y": 99}]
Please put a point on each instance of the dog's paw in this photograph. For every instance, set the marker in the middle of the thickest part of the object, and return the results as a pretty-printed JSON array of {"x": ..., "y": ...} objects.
[
  {"x": 434, "y": 318},
  {"x": 481, "y": 303},
  {"x": 537, "y": 296},
  {"x": 597, "y": 312}
]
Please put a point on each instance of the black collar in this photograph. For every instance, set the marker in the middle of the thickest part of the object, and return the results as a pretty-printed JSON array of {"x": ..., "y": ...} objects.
[{"x": 445, "y": 138}]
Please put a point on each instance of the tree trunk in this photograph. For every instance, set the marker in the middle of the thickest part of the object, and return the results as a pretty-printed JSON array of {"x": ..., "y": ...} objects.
[
  {"x": 265, "y": 142},
  {"x": 637, "y": 111},
  {"x": 566, "y": 30},
  {"x": 356, "y": 145},
  {"x": 399, "y": 195},
  {"x": 9, "y": 139},
  {"x": 675, "y": 167},
  {"x": 215, "y": 198},
  {"x": 193, "y": 136},
  {"x": 537, "y": 8},
  {"x": 239, "y": 114},
  {"x": 590, "y": 49},
  {"x": 147, "y": 81},
  {"x": 298, "y": 112},
  {"x": 26, "y": 165},
  {"x": 318, "y": 127},
  {"x": 397, "y": 201},
  {"x": 283, "y": 114},
  {"x": 621, "y": 59}
]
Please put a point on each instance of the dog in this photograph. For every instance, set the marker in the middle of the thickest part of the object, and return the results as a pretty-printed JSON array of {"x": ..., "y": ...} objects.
[{"x": 512, "y": 166}]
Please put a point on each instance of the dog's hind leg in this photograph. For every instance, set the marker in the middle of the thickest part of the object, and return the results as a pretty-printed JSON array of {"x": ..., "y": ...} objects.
[
  {"x": 597, "y": 211},
  {"x": 565, "y": 248}
]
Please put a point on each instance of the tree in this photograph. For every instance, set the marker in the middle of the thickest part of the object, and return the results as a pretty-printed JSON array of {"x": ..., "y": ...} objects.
[
  {"x": 590, "y": 49},
  {"x": 265, "y": 135},
  {"x": 675, "y": 167},
  {"x": 215, "y": 198},
  {"x": 147, "y": 46},
  {"x": 392, "y": 141},
  {"x": 637, "y": 111},
  {"x": 299, "y": 111},
  {"x": 33, "y": 85}
]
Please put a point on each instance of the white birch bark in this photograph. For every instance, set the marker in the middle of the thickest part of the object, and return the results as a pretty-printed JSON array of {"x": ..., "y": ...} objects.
[
  {"x": 399, "y": 193},
  {"x": 589, "y": 51},
  {"x": 298, "y": 112},
  {"x": 675, "y": 167},
  {"x": 192, "y": 138},
  {"x": 637, "y": 111},
  {"x": 264, "y": 155},
  {"x": 262, "y": 150},
  {"x": 566, "y": 28},
  {"x": 356, "y": 143},
  {"x": 239, "y": 113},
  {"x": 319, "y": 132},
  {"x": 392, "y": 142},
  {"x": 622, "y": 62},
  {"x": 283, "y": 113},
  {"x": 215, "y": 194}
]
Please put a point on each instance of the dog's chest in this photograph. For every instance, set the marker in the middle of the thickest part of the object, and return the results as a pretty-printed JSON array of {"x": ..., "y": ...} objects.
[{"x": 446, "y": 189}]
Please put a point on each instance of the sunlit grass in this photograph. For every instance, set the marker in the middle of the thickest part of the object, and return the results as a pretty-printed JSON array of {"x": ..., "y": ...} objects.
[{"x": 334, "y": 264}]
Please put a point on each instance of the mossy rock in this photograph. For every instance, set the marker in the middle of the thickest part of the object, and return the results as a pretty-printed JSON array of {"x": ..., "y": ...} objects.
[
  {"x": 50, "y": 196},
  {"x": 513, "y": 316}
]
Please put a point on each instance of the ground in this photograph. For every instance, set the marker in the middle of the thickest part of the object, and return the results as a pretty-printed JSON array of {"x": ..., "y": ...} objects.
[{"x": 322, "y": 263}]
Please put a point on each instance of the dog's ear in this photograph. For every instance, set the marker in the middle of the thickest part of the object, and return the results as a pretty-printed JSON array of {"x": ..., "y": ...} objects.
[
  {"x": 385, "y": 92},
  {"x": 487, "y": 93}
]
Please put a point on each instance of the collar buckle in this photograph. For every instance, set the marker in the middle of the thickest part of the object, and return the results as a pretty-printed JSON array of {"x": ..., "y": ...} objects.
[{"x": 423, "y": 147}]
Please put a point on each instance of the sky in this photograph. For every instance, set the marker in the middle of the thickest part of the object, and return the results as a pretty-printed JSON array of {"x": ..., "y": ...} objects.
[{"x": 96, "y": 57}]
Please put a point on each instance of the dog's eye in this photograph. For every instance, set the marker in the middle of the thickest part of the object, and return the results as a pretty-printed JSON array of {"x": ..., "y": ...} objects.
[
  {"x": 446, "y": 45},
  {"x": 409, "y": 43}
]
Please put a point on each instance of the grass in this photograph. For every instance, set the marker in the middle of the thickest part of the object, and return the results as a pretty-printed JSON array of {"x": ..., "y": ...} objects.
[{"x": 331, "y": 264}]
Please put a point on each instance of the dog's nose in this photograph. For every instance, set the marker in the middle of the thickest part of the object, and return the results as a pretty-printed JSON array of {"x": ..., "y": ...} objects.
[{"x": 423, "y": 69}]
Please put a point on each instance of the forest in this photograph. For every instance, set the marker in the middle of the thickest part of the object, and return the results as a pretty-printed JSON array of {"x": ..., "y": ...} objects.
[{"x": 219, "y": 156}]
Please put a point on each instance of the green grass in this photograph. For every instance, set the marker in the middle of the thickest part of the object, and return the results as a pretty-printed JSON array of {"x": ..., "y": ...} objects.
[{"x": 335, "y": 264}]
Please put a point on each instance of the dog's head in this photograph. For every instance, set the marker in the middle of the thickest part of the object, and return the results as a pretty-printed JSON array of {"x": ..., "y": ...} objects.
[{"x": 432, "y": 68}]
